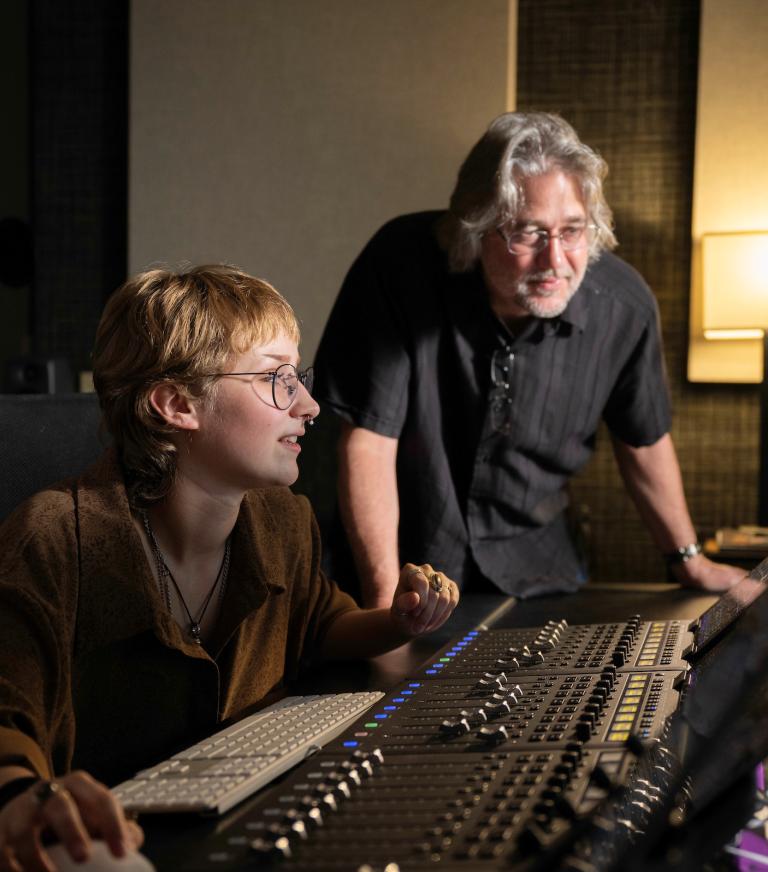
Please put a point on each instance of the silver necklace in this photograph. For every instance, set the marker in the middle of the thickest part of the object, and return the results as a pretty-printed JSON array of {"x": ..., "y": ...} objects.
[{"x": 164, "y": 573}]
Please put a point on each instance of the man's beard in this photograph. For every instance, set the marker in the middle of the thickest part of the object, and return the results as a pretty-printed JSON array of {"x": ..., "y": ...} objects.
[{"x": 542, "y": 306}]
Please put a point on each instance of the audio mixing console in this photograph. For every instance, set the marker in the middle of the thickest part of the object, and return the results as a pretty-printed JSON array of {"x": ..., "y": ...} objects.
[{"x": 507, "y": 750}]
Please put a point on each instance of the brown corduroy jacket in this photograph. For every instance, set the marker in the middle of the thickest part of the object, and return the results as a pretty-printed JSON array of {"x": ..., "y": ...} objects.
[{"x": 94, "y": 672}]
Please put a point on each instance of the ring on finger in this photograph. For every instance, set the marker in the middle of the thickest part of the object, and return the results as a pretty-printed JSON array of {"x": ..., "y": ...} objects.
[
  {"x": 436, "y": 582},
  {"x": 46, "y": 790}
]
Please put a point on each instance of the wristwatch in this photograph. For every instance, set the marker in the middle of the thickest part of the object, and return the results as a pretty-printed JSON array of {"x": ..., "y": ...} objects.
[{"x": 683, "y": 554}]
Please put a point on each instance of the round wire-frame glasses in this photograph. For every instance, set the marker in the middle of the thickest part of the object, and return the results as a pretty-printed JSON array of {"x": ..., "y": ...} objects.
[
  {"x": 535, "y": 239},
  {"x": 281, "y": 383}
]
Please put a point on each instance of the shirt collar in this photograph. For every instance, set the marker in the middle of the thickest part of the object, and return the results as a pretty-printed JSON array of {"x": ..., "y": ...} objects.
[{"x": 118, "y": 594}]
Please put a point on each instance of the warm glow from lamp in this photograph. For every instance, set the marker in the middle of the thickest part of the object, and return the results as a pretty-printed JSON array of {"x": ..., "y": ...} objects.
[{"x": 734, "y": 285}]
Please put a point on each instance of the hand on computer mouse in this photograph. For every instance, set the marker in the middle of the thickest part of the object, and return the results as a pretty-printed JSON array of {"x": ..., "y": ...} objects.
[
  {"x": 74, "y": 810},
  {"x": 100, "y": 860}
]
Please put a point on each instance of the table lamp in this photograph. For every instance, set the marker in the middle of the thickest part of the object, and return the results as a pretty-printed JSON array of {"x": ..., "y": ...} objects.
[{"x": 735, "y": 306}]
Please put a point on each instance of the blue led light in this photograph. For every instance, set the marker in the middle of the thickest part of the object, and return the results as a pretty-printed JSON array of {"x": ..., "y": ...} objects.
[
  {"x": 431, "y": 671},
  {"x": 390, "y": 708},
  {"x": 409, "y": 692},
  {"x": 398, "y": 699},
  {"x": 381, "y": 717},
  {"x": 415, "y": 684},
  {"x": 351, "y": 744}
]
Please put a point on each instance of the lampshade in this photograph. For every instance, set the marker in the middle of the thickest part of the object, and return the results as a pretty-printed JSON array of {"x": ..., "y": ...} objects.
[{"x": 735, "y": 285}]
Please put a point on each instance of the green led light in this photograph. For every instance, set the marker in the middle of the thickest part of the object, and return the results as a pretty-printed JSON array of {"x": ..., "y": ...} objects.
[{"x": 371, "y": 726}]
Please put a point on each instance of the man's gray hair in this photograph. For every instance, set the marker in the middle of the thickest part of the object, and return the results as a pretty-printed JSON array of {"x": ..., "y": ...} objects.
[{"x": 488, "y": 191}]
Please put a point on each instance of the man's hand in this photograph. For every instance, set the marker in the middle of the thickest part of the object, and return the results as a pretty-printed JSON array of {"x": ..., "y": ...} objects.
[
  {"x": 423, "y": 600},
  {"x": 702, "y": 573},
  {"x": 73, "y": 809}
]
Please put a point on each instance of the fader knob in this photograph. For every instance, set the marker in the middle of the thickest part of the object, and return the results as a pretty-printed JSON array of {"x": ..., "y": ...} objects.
[
  {"x": 314, "y": 817},
  {"x": 279, "y": 848},
  {"x": 311, "y": 807},
  {"x": 510, "y": 663},
  {"x": 326, "y": 797},
  {"x": 493, "y": 735},
  {"x": 575, "y": 748},
  {"x": 493, "y": 681},
  {"x": 352, "y": 773},
  {"x": 455, "y": 728},
  {"x": 497, "y": 709}
]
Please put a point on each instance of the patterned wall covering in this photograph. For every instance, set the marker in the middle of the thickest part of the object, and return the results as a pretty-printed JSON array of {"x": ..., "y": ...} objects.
[
  {"x": 624, "y": 74},
  {"x": 78, "y": 168}
]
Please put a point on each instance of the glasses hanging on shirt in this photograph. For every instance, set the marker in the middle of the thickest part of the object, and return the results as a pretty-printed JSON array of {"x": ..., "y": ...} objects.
[{"x": 500, "y": 397}]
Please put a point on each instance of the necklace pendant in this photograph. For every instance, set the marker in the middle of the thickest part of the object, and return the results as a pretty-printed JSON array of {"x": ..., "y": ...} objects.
[{"x": 194, "y": 630}]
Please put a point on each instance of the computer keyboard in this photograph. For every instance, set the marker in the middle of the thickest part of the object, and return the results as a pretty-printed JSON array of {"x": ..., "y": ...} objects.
[{"x": 215, "y": 774}]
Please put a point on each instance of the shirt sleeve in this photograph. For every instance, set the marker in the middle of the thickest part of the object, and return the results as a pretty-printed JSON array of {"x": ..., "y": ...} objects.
[
  {"x": 326, "y": 600},
  {"x": 362, "y": 366},
  {"x": 37, "y": 606},
  {"x": 638, "y": 410}
]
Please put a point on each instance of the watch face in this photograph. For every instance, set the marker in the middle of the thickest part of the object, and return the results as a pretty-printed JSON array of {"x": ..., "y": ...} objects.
[{"x": 684, "y": 552}]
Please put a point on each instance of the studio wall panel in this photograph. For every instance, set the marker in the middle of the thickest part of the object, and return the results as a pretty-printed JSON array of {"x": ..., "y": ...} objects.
[{"x": 625, "y": 75}]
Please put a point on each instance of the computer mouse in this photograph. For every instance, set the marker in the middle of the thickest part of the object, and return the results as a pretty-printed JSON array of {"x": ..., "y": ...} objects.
[{"x": 101, "y": 860}]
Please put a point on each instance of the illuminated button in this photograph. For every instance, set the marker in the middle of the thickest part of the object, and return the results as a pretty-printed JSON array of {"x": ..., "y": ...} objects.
[
  {"x": 618, "y": 736},
  {"x": 350, "y": 744},
  {"x": 381, "y": 717},
  {"x": 371, "y": 726}
]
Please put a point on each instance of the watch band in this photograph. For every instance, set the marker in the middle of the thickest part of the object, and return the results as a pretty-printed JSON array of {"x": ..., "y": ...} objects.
[{"x": 683, "y": 554}]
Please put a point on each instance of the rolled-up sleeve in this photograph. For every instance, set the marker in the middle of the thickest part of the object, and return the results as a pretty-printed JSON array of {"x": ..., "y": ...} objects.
[{"x": 362, "y": 366}]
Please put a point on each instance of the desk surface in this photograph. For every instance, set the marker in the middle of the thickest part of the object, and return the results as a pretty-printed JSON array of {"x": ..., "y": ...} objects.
[{"x": 594, "y": 604}]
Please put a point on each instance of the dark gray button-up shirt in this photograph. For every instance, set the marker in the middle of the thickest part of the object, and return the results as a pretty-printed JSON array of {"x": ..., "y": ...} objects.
[{"x": 482, "y": 469}]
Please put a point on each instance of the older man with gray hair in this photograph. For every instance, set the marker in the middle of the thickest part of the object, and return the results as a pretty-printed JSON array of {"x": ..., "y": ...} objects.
[{"x": 471, "y": 355}]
